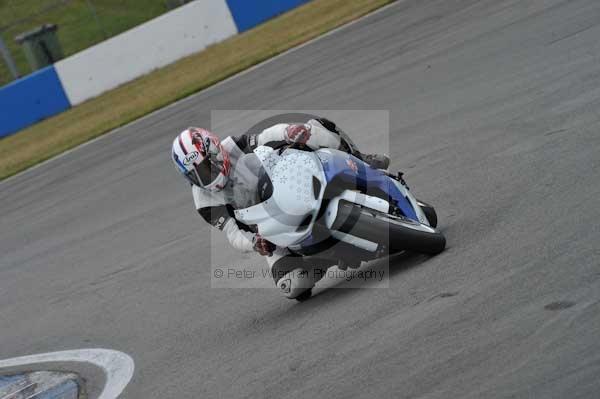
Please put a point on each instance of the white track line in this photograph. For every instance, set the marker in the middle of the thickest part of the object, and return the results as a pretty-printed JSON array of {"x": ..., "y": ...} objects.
[{"x": 117, "y": 366}]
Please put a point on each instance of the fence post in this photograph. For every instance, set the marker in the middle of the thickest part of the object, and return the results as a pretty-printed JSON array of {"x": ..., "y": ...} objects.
[
  {"x": 10, "y": 63},
  {"x": 95, "y": 15}
]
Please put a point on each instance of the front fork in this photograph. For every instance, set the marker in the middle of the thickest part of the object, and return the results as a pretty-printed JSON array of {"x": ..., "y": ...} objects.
[{"x": 403, "y": 188}]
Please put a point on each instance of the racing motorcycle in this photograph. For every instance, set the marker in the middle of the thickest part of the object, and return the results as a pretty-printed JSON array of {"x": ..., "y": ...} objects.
[{"x": 329, "y": 207}]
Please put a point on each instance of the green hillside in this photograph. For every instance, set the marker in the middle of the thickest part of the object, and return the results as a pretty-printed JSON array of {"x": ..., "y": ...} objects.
[{"x": 81, "y": 23}]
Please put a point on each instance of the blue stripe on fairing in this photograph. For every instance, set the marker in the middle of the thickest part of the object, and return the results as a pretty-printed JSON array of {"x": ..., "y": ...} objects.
[
  {"x": 6, "y": 380},
  {"x": 367, "y": 178}
]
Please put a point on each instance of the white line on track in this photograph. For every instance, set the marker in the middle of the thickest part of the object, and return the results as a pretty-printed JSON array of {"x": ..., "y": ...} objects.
[
  {"x": 216, "y": 85},
  {"x": 117, "y": 366}
]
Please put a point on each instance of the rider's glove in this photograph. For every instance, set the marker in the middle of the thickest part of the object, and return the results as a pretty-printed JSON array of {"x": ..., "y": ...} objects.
[
  {"x": 262, "y": 246},
  {"x": 297, "y": 134}
]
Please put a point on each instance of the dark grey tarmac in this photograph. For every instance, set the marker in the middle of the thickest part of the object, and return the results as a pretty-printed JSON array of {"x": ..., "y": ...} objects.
[{"x": 495, "y": 118}]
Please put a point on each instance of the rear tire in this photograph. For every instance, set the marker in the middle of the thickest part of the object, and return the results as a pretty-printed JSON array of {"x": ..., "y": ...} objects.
[{"x": 397, "y": 233}]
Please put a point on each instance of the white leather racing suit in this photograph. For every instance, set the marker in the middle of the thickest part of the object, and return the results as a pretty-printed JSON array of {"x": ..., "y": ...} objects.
[{"x": 242, "y": 189}]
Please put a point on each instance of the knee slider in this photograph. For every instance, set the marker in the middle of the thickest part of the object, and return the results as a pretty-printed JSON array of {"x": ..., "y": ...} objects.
[{"x": 295, "y": 282}]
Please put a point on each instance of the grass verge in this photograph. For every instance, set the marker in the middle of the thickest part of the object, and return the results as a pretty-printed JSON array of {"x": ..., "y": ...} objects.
[
  {"x": 166, "y": 85},
  {"x": 81, "y": 24}
]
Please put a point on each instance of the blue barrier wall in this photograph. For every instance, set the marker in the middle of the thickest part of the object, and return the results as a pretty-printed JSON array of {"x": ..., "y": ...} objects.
[
  {"x": 30, "y": 99},
  {"x": 42, "y": 94},
  {"x": 247, "y": 14}
]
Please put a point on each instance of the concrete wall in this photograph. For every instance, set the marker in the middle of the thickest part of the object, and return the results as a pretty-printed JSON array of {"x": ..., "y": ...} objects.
[
  {"x": 31, "y": 99},
  {"x": 138, "y": 51},
  {"x": 156, "y": 43}
]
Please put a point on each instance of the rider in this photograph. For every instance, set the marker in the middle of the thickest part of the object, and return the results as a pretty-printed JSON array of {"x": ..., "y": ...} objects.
[{"x": 224, "y": 179}]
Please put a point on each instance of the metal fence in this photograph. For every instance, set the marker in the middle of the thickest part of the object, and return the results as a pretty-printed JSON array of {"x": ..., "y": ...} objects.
[{"x": 81, "y": 24}]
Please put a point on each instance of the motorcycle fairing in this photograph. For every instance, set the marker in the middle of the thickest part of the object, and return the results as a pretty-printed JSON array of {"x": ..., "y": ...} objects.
[
  {"x": 340, "y": 165},
  {"x": 299, "y": 180},
  {"x": 287, "y": 217}
]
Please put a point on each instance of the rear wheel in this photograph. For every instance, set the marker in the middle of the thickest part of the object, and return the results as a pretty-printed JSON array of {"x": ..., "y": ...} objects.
[{"x": 397, "y": 233}]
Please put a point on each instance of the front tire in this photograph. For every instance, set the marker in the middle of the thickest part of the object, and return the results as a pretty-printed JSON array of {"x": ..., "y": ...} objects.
[
  {"x": 396, "y": 233},
  {"x": 429, "y": 212}
]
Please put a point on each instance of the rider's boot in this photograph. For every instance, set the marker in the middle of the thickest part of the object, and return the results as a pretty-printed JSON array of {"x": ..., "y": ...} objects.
[{"x": 377, "y": 161}]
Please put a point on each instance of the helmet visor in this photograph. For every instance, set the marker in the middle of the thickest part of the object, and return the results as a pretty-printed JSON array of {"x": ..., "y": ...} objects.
[
  {"x": 208, "y": 170},
  {"x": 192, "y": 177}
]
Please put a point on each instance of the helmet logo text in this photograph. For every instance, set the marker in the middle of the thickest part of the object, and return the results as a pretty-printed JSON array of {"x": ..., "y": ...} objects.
[{"x": 190, "y": 158}]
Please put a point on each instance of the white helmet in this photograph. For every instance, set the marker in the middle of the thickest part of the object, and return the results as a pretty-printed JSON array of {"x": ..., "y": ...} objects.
[{"x": 200, "y": 157}]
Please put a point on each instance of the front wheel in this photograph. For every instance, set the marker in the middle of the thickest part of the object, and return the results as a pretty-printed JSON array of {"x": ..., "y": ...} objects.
[
  {"x": 429, "y": 212},
  {"x": 396, "y": 233}
]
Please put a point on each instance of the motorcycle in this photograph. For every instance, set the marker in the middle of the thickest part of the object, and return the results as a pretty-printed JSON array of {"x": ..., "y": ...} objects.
[{"x": 329, "y": 207}]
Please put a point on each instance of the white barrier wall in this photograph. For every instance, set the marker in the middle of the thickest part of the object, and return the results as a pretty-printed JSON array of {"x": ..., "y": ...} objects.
[{"x": 151, "y": 45}]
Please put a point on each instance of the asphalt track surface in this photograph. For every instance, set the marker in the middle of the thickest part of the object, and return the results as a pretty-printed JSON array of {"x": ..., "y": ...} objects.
[{"x": 494, "y": 118}]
